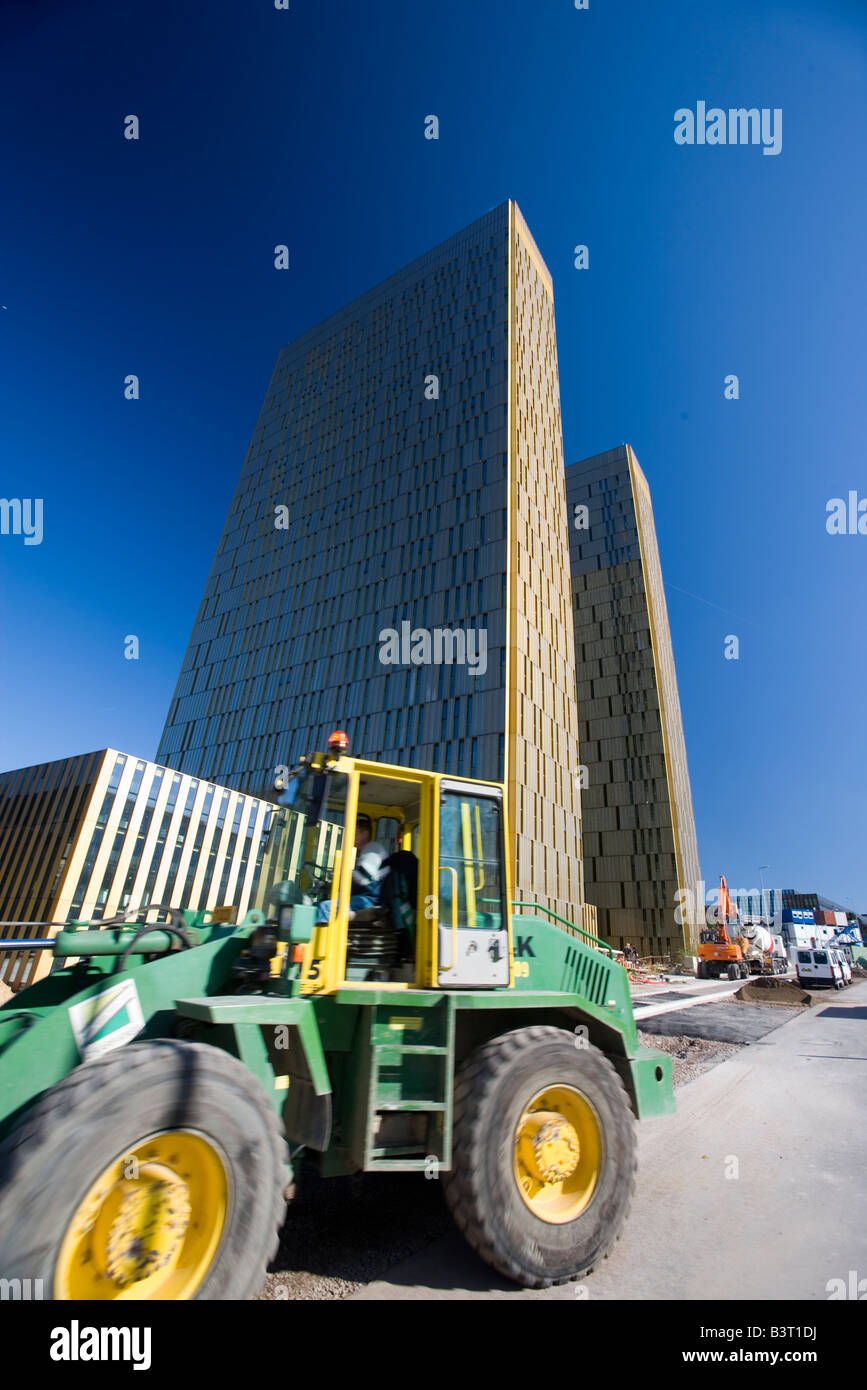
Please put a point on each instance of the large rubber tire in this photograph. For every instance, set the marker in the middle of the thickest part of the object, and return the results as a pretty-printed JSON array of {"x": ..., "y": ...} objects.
[
  {"x": 734, "y": 971},
  {"x": 492, "y": 1089},
  {"x": 702, "y": 970},
  {"x": 100, "y": 1111}
]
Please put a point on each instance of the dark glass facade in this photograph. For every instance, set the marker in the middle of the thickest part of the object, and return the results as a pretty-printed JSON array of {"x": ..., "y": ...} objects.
[{"x": 405, "y": 477}]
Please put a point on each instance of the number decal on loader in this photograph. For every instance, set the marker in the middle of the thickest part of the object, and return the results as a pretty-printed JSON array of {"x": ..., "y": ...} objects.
[{"x": 313, "y": 972}]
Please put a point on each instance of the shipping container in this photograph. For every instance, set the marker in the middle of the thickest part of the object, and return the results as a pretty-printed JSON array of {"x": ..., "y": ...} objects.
[{"x": 800, "y": 933}]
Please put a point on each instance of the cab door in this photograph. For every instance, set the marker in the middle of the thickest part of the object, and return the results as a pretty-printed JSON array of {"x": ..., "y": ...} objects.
[{"x": 473, "y": 923}]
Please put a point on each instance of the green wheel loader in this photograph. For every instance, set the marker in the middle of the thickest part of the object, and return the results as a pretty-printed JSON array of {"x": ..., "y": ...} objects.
[{"x": 158, "y": 1085}]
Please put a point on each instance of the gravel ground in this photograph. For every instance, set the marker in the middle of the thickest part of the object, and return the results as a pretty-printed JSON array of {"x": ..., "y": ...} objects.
[
  {"x": 342, "y": 1233},
  {"x": 690, "y": 1057}
]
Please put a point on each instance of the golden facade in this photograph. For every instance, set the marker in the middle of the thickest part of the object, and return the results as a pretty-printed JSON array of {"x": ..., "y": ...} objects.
[{"x": 639, "y": 840}]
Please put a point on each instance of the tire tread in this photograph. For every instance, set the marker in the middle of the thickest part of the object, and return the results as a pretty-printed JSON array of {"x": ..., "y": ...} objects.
[
  {"x": 58, "y": 1105},
  {"x": 463, "y": 1188}
]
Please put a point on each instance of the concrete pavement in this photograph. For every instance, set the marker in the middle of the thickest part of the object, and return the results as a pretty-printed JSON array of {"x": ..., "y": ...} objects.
[{"x": 753, "y": 1190}]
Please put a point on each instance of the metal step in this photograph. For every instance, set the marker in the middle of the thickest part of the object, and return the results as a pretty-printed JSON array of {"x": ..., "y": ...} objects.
[
  {"x": 400, "y": 1067},
  {"x": 423, "y": 1105},
  {"x": 400, "y": 1165},
  {"x": 394, "y": 1149}
]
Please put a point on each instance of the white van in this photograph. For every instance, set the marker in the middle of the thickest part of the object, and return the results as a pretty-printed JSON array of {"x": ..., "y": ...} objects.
[
  {"x": 821, "y": 968},
  {"x": 846, "y": 963}
]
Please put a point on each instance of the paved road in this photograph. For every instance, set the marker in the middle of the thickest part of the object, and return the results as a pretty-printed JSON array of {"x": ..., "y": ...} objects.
[
  {"x": 680, "y": 984},
  {"x": 792, "y": 1110},
  {"x": 666, "y": 998},
  {"x": 733, "y": 1023}
]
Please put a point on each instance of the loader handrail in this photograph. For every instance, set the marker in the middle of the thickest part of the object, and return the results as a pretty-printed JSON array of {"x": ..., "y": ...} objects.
[{"x": 595, "y": 941}]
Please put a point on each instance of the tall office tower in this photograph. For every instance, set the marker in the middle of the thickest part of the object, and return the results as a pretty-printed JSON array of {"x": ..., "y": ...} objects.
[
  {"x": 394, "y": 561},
  {"x": 639, "y": 831}
]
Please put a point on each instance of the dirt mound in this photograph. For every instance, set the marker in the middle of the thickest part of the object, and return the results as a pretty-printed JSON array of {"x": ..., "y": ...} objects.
[
  {"x": 772, "y": 989},
  {"x": 859, "y": 973},
  {"x": 5, "y": 993}
]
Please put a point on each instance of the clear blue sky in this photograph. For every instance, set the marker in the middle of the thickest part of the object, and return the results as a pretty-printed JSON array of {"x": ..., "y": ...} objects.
[{"x": 260, "y": 127}]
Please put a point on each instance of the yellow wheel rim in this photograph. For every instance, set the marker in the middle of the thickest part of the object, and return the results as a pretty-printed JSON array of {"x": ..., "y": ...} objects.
[
  {"x": 150, "y": 1225},
  {"x": 558, "y": 1154}
]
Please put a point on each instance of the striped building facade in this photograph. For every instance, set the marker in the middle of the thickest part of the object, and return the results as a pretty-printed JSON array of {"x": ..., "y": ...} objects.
[{"x": 84, "y": 838}]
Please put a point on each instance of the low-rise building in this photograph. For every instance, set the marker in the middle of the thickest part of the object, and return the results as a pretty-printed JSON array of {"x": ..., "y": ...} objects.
[{"x": 85, "y": 838}]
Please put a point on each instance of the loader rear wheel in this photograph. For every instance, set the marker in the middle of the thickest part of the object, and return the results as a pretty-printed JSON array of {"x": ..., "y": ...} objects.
[
  {"x": 544, "y": 1155},
  {"x": 154, "y": 1172}
]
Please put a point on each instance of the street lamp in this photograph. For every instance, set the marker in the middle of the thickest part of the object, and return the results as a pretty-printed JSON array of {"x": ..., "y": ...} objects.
[{"x": 762, "y": 868}]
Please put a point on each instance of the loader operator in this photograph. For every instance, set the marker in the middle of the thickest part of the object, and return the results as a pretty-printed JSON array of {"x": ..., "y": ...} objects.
[{"x": 367, "y": 874}]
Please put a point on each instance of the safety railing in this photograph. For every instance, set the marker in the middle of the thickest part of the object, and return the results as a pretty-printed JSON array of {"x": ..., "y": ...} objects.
[
  {"x": 18, "y": 970},
  {"x": 23, "y": 944},
  {"x": 595, "y": 941}
]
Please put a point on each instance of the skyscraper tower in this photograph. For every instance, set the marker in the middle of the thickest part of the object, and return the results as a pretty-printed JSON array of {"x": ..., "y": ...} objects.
[
  {"x": 639, "y": 843},
  {"x": 395, "y": 558}
]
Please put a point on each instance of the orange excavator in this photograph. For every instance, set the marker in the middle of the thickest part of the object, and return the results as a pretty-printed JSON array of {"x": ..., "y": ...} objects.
[{"x": 720, "y": 952}]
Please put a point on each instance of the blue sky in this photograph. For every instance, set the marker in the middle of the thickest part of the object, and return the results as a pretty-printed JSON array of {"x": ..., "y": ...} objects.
[{"x": 306, "y": 127}]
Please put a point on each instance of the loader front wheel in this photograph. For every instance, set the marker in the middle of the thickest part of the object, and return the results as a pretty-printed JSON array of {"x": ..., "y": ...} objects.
[
  {"x": 155, "y": 1172},
  {"x": 544, "y": 1155}
]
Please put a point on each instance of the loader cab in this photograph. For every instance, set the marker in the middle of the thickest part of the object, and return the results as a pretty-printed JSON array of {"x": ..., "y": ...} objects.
[{"x": 438, "y": 914}]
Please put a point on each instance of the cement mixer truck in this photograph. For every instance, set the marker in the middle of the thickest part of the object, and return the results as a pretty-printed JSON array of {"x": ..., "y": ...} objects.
[{"x": 764, "y": 953}]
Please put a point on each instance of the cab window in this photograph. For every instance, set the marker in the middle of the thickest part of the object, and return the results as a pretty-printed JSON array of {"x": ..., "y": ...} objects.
[
  {"x": 471, "y": 856},
  {"x": 387, "y": 832},
  {"x": 305, "y": 836}
]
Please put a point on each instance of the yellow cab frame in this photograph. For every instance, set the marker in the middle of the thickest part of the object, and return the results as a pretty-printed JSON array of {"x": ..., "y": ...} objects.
[{"x": 324, "y": 965}]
